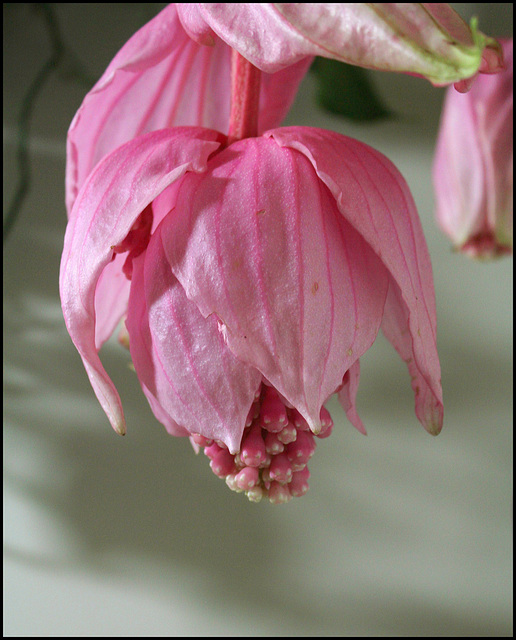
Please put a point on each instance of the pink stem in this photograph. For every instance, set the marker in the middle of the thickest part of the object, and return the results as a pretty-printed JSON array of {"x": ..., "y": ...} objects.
[{"x": 245, "y": 95}]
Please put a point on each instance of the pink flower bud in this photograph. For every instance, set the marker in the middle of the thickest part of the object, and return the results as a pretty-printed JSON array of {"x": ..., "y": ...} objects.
[
  {"x": 279, "y": 493},
  {"x": 247, "y": 478},
  {"x": 252, "y": 452},
  {"x": 473, "y": 166},
  {"x": 299, "y": 484},
  {"x": 287, "y": 434},
  {"x": 326, "y": 424},
  {"x": 280, "y": 469},
  {"x": 273, "y": 444},
  {"x": 300, "y": 451},
  {"x": 222, "y": 463},
  {"x": 273, "y": 414}
]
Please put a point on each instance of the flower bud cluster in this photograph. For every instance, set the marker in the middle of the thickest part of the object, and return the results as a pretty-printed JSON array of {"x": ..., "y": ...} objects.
[{"x": 276, "y": 446}]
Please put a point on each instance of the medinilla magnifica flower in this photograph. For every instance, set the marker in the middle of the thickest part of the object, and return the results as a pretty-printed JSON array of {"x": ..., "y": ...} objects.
[
  {"x": 473, "y": 166},
  {"x": 260, "y": 271},
  {"x": 175, "y": 70}
]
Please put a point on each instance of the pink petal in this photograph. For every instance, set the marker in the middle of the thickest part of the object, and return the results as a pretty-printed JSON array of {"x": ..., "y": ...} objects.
[
  {"x": 112, "y": 198},
  {"x": 111, "y": 297},
  {"x": 419, "y": 355},
  {"x": 429, "y": 40},
  {"x": 458, "y": 169},
  {"x": 374, "y": 198},
  {"x": 347, "y": 396},
  {"x": 162, "y": 78},
  {"x": 194, "y": 24},
  {"x": 180, "y": 356},
  {"x": 259, "y": 241},
  {"x": 140, "y": 343}
]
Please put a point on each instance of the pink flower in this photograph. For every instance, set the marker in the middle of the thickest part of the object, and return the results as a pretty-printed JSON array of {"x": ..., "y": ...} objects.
[
  {"x": 253, "y": 266},
  {"x": 259, "y": 273},
  {"x": 473, "y": 166},
  {"x": 175, "y": 71}
]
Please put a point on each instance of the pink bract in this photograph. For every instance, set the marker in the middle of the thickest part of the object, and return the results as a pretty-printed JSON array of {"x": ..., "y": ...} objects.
[
  {"x": 473, "y": 166},
  {"x": 426, "y": 39},
  {"x": 275, "y": 261},
  {"x": 175, "y": 70},
  {"x": 162, "y": 78}
]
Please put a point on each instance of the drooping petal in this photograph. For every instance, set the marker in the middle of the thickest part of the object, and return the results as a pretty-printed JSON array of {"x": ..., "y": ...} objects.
[
  {"x": 181, "y": 359},
  {"x": 473, "y": 165},
  {"x": 259, "y": 241},
  {"x": 374, "y": 198},
  {"x": 140, "y": 345},
  {"x": 396, "y": 326},
  {"x": 162, "y": 78},
  {"x": 108, "y": 205},
  {"x": 347, "y": 396},
  {"x": 430, "y": 40}
]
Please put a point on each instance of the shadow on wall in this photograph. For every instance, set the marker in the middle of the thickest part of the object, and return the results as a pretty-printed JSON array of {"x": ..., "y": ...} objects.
[{"x": 148, "y": 496}]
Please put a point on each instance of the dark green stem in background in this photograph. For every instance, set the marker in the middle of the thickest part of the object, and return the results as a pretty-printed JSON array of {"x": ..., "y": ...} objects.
[{"x": 58, "y": 53}]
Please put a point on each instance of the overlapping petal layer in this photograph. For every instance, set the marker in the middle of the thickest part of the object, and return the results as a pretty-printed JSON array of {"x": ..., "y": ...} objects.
[
  {"x": 181, "y": 358},
  {"x": 259, "y": 241},
  {"x": 373, "y": 197},
  {"x": 280, "y": 257},
  {"x": 143, "y": 350},
  {"x": 107, "y": 207}
]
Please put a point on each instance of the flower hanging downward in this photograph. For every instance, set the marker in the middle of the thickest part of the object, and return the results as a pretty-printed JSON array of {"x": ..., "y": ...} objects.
[
  {"x": 473, "y": 166},
  {"x": 266, "y": 272}
]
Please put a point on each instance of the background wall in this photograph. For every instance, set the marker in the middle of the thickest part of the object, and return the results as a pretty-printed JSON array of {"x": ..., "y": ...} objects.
[{"x": 400, "y": 533}]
